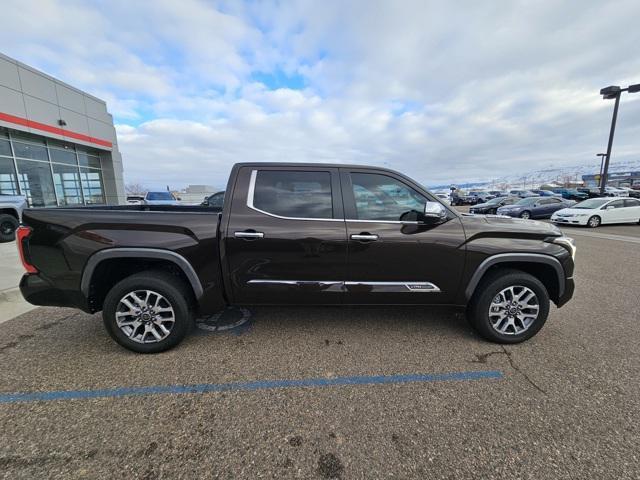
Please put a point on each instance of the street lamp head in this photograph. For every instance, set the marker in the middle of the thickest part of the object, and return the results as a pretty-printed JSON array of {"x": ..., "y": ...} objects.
[
  {"x": 634, "y": 88},
  {"x": 610, "y": 92}
]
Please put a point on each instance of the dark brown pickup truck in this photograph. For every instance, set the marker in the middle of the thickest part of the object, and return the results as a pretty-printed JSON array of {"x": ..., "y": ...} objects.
[{"x": 288, "y": 234}]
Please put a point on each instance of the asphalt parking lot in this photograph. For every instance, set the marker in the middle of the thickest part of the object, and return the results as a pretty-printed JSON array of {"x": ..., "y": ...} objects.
[{"x": 300, "y": 393}]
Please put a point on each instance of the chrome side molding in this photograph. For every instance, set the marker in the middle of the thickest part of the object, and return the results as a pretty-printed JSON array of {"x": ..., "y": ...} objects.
[{"x": 336, "y": 285}]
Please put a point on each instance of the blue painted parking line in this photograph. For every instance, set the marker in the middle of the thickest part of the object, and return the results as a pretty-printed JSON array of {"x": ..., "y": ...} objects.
[{"x": 255, "y": 385}]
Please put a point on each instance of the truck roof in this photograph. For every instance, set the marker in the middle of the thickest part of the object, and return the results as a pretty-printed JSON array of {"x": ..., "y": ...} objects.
[{"x": 312, "y": 164}]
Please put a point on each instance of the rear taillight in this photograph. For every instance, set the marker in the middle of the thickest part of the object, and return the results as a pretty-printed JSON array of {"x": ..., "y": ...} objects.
[{"x": 21, "y": 235}]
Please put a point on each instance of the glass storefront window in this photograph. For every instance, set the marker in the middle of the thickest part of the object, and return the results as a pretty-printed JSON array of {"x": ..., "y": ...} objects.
[
  {"x": 8, "y": 179},
  {"x": 92, "y": 185},
  {"x": 27, "y": 150},
  {"x": 36, "y": 183},
  {"x": 63, "y": 156},
  {"x": 67, "y": 183},
  {"x": 5, "y": 147},
  {"x": 87, "y": 160}
]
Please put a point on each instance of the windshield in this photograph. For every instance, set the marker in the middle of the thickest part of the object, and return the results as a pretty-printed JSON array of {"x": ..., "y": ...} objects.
[
  {"x": 160, "y": 196},
  {"x": 493, "y": 201},
  {"x": 592, "y": 203},
  {"x": 527, "y": 201}
]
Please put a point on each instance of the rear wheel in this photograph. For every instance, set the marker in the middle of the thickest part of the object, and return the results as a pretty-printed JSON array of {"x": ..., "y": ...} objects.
[
  {"x": 8, "y": 226},
  {"x": 593, "y": 222},
  {"x": 526, "y": 215},
  {"x": 509, "y": 306},
  {"x": 148, "y": 312}
]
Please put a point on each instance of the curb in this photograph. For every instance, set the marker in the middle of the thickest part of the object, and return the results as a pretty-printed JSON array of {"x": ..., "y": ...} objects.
[{"x": 10, "y": 295}]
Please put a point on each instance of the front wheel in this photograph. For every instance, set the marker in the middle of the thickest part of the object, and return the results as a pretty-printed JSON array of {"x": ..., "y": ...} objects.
[
  {"x": 593, "y": 222},
  {"x": 148, "y": 312},
  {"x": 509, "y": 306},
  {"x": 525, "y": 215}
]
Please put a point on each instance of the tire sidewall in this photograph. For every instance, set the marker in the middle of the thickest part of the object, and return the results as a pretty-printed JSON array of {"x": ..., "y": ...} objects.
[
  {"x": 527, "y": 213},
  {"x": 164, "y": 284},
  {"x": 480, "y": 306},
  {"x": 594, "y": 226},
  {"x": 14, "y": 221}
]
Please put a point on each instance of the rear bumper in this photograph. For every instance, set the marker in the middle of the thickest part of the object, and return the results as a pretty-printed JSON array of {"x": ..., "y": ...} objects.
[{"x": 37, "y": 290}]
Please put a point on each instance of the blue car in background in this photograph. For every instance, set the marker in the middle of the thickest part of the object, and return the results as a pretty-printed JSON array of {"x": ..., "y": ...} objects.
[
  {"x": 535, "y": 207},
  {"x": 571, "y": 194}
]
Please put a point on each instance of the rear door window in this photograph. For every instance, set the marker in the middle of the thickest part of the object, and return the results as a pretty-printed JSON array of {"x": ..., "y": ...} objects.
[{"x": 293, "y": 194}]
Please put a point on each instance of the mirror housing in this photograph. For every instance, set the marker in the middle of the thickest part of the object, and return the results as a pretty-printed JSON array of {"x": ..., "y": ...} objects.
[{"x": 434, "y": 211}]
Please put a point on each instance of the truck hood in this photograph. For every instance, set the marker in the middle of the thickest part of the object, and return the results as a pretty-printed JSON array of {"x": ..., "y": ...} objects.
[{"x": 488, "y": 225}]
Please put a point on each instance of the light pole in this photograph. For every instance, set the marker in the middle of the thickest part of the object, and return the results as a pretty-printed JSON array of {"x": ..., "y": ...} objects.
[
  {"x": 601, "y": 155},
  {"x": 608, "y": 93}
]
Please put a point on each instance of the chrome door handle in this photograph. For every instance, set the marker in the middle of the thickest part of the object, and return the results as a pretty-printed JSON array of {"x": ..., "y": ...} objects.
[
  {"x": 248, "y": 235},
  {"x": 367, "y": 237}
]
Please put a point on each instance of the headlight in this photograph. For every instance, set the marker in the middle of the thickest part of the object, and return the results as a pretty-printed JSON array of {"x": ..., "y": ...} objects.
[{"x": 568, "y": 243}]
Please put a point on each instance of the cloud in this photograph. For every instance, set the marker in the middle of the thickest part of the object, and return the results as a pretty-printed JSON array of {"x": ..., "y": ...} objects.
[{"x": 444, "y": 92}]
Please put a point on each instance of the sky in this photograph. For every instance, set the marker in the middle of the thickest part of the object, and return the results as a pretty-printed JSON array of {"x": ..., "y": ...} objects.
[{"x": 445, "y": 92}]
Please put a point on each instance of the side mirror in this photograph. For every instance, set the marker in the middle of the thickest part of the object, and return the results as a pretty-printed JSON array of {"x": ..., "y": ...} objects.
[
  {"x": 434, "y": 211},
  {"x": 609, "y": 207}
]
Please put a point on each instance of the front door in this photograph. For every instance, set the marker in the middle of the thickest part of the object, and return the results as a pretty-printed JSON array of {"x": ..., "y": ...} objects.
[
  {"x": 394, "y": 257},
  {"x": 286, "y": 240}
]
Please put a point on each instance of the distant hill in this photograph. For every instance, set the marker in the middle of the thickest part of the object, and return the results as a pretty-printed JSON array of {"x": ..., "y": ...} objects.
[{"x": 535, "y": 178}]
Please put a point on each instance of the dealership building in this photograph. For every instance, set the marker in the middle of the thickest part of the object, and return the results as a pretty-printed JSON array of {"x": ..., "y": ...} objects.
[{"x": 58, "y": 146}]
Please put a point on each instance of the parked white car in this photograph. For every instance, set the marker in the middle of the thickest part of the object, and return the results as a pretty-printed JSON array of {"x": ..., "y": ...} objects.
[
  {"x": 615, "y": 192},
  {"x": 598, "y": 211}
]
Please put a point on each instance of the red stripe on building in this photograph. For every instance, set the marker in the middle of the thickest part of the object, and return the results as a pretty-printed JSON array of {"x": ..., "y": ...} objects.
[{"x": 58, "y": 131}]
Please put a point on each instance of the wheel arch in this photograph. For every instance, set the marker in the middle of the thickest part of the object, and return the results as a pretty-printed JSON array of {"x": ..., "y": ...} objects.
[
  {"x": 544, "y": 267},
  {"x": 132, "y": 257}
]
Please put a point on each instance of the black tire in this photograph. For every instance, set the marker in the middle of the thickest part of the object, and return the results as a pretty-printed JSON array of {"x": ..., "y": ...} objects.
[
  {"x": 8, "y": 226},
  {"x": 594, "y": 221},
  {"x": 174, "y": 291},
  {"x": 526, "y": 215},
  {"x": 490, "y": 286}
]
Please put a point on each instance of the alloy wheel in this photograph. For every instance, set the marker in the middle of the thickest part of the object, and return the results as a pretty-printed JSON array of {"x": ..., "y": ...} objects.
[
  {"x": 594, "y": 221},
  {"x": 513, "y": 310},
  {"x": 525, "y": 215},
  {"x": 145, "y": 316},
  {"x": 6, "y": 228}
]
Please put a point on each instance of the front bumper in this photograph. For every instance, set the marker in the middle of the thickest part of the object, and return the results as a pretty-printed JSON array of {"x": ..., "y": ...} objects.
[
  {"x": 38, "y": 290},
  {"x": 569, "y": 220},
  {"x": 569, "y": 288}
]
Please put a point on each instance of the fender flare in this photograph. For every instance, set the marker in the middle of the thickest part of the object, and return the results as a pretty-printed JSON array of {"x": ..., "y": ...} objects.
[
  {"x": 515, "y": 257},
  {"x": 154, "y": 253}
]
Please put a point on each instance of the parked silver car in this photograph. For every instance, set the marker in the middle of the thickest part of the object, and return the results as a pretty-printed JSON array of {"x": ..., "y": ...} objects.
[{"x": 11, "y": 208}]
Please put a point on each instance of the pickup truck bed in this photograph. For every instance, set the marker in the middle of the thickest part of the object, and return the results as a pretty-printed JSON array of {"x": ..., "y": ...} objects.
[{"x": 304, "y": 234}]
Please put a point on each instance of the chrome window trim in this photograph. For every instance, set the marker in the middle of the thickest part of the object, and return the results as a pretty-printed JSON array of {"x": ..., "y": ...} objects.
[
  {"x": 251, "y": 192},
  {"x": 406, "y": 286}
]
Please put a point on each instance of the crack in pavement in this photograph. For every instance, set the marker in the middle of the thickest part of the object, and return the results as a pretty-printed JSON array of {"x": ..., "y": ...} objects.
[
  {"x": 517, "y": 369},
  {"x": 482, "y": 358}
]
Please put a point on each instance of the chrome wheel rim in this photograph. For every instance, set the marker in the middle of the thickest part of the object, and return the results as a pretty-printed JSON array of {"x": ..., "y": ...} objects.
[
  {"x": 514, "y": 310},
  {"x": 145, "y": 316},
  {"x": 525, "y": 215},
  {"x": 594, "y": 222}
]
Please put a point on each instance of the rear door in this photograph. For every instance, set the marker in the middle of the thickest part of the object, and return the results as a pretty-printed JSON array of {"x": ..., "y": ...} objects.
[
  {"x": 286, "y": 240},
  {"x": 394, "y": 258}
]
